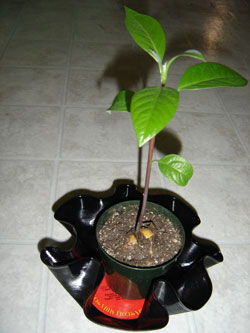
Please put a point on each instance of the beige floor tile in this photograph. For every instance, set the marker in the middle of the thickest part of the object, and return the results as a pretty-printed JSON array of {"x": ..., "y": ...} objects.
[
  {"x": 177, "y": 324},
  {"x": 49, "y": 5},
  {"x": 205, "y": 138},
  {"x": 29, "y": 131},
  {"x": 66, "y": 314},
  {"x": 200, "y": 101},
  {"x": 36, "y": 53},
  {"x": 234, "y": 60},
  {"x": 93, "y": 134},
  {"x": 28, "y": 86},
  {"x": 11, "y": 9},
  {"x": 25, "y": 192},
  {"x": 237, "y": 100},
  {"x": 7, "y": 25},
  {"x": 2, "y": 46},
  {"x": 101, "y": 177},
  {"x": 101, "y": 3},
  {"x": 229, "y": 305},
  {"x": 20, "y": 287},
  {"x": 45, "y": 25},
  {"x": 104, "y": 10},
  {"x": 101, "y": 29},
  {"x": 242, "y": 123},
  {"x": 102, "y": 55},
  {"x": 99, "y": 87},
  {"x": 220, "y": 195}
]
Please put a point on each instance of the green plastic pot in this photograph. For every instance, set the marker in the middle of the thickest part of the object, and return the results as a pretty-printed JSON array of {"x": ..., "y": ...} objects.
[{"x": 128, "y": 281}]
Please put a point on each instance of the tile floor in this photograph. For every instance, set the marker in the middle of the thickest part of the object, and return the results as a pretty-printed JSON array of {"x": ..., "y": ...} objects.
[{"x": 61, "y": 63}]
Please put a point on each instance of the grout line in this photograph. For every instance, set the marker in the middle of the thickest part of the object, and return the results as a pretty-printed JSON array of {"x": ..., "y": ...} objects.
[
  {"x": 18, "y": 242},
  {"x": 13, "y": 31},
  {"x": 110, "y": 42},
  {"x": 89, "y": 106},
  {"x": 63, "y": 101},
  {"x": 31, "y": 105},
  {"x": 25, "y": 158},
  {"x": 93, "y": 160},
  {"x": 192, "y": 322},
  {"x": 238, "y": 135},
  {"x": 220, "y": 164},
  {"x": 43, "y": 300},
  {"x": 29, "y": 242},
  {"x": 101, "y": 106},
  {"x": 229, "y": 116},
  {"x": 92, "y": 68},
  {"x": 33, "y": 66},
  {"x": 235, "y": 242},
  {"x": 41, "y": 324}
]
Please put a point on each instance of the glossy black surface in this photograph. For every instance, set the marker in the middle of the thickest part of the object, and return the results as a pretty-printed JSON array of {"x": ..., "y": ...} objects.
[{"x": 185, "y": 287}]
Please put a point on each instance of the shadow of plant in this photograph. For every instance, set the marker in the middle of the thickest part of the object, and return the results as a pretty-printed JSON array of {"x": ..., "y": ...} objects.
[
  {"x": 126, "y": 69},
  {"x": 167, "y": 142}
]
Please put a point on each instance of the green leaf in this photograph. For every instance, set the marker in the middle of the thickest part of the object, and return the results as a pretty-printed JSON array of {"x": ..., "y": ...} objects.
[
  {"x": 122, "y": 101},
  {"x": 210, "y": 75},
  {"x": 176, "y": 169},
  {"x": 189, "y": 53},
  {"x": 151, "y": 109},
  {"x": 147, "y": 33},
  {"x": 193, "y": 54}
]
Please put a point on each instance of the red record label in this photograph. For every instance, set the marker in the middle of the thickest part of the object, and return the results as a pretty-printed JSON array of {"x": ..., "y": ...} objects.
[{"x": 113, "y": 305}]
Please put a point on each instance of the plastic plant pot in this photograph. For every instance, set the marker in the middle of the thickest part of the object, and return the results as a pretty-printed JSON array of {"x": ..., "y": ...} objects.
[{"x": 128, "y": 281}]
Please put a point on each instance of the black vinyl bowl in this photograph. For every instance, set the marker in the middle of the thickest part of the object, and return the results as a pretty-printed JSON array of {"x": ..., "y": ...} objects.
[{"x": 184, "y": 287}]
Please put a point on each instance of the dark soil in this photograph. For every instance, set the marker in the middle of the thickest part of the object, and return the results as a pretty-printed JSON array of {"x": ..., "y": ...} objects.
[{"x": 117, "y": 237}]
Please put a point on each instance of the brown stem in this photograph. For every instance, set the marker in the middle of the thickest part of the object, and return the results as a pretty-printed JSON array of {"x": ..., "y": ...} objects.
[{"x": 145, "y": 194}]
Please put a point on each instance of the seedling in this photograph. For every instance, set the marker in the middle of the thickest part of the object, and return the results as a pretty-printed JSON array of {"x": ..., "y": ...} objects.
[{"x": 152, "y": 108}]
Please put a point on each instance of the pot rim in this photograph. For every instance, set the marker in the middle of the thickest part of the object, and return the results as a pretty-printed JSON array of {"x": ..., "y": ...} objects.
[{"x": 139, "y": 268}]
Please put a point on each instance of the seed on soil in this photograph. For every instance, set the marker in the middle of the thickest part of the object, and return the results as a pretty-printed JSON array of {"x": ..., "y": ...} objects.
[
  {"x": 147, "y": 233},
  {"x": 132, "y": 240}
]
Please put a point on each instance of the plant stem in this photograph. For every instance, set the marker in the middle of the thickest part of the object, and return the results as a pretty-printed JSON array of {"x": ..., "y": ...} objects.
[
  {"x": 163, "y": 71},
  {"x": 145, "y": 194}
]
